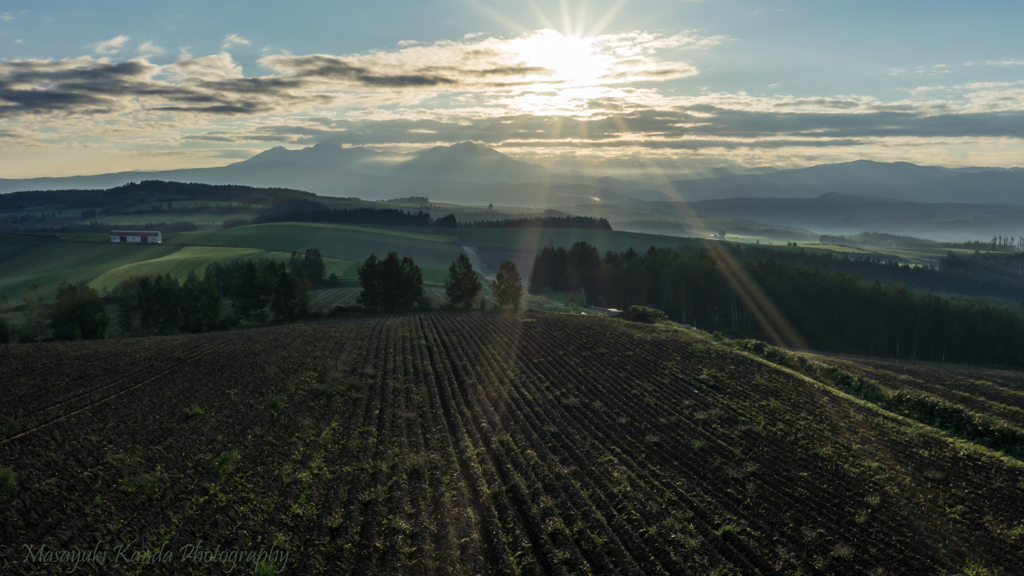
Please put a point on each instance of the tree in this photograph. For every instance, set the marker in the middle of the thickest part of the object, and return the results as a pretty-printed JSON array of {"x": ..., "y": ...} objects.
[
  {"x": 191, "y": 313},
  {"x": 34, "y": 327},
  {"x": 283, "y": 304},
  {"x": 126, "y": 295},
  {"x": 165, "y": 305},
  {"x": 391, "y": 284},
  {"x": 300, "y": 287},
  {"x": 78, "y": 312},
  {"x": 5, "y": 327},
  {"x": 462, "y": 285},
  {"x": 508, "y": 285},
  {"x": 209, "y": 303},
  {"x": 370, "y": 280},
  {"x": 247, "y": 295},
  {"x": 314, "y": 266}
]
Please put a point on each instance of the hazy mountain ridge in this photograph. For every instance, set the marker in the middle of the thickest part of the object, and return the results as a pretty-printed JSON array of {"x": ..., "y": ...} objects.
[
  {"x": 479, "y": 175},
  {"x": 897, "y": 181},
  {"x": 834, "y": 213}
]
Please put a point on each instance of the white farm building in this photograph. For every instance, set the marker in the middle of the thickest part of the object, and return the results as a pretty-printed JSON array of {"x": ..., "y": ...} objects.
[{"x": 137, "y": 236}]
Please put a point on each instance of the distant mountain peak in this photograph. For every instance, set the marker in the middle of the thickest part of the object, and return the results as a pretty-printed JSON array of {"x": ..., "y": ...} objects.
[
  {"x": 465, "y": 150},
  {"x": 469, "y": 162},
  {"x": 321, "y": 154}
]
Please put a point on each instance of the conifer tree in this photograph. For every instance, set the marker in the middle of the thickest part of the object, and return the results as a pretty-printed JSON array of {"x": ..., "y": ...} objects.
[{"x": 462, "y": 286}]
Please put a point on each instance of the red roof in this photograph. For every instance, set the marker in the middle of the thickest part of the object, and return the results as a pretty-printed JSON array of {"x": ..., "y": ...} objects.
[{"x": 132, "y": 233}]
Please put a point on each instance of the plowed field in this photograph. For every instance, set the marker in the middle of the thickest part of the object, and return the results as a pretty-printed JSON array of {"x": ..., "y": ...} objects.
[{"x": 478, "y": 443}]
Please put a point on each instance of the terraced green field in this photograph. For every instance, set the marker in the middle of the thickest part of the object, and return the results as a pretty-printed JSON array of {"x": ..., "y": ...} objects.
[
  {"x": 50, "y": 262},
  {"x": 340, "y": 242},
  {"x": 90, "y": 258},
  {"x": 193, "y": 258}
]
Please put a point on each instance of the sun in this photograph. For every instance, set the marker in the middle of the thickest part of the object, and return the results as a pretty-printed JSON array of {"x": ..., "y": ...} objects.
[{"x": 570, "y": 61}]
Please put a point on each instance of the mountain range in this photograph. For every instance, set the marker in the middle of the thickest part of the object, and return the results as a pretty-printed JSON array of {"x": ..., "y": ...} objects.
[{"x": 468, "y": 173}]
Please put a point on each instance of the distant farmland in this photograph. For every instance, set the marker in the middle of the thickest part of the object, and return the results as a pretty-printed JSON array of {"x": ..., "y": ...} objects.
[{"x": 469, "y": 443}]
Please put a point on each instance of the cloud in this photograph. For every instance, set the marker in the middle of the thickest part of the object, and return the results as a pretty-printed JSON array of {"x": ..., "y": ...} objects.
[
  {"x": 234, "y": 39},
  {"x": 112, "y": 46},
  {"x": 489, "y": 68},
  {"x": 1007, "y": 62},
  {"x": 6, "y": 17},
  {"x": 700, "y": 124},
  {"x": 691, "y": 39},
  {"x": 147, "y": 48},
  {"x": 539, "y": 91},
  {"x": 404, "y": 43}
]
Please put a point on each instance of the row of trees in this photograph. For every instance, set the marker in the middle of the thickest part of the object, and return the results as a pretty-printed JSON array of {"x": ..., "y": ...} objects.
[
  {"x": 579, "y": 222},
  {"x": 260, "y": 291},
  {"x": 999, "y": 276},
  {"x": 374, "y": 216},
  {"x": 884, "y": 240},
  {"x": 394, "y": 284},
  {"x": 77, "y": 313},
  {"x": 833, "y": 310}
]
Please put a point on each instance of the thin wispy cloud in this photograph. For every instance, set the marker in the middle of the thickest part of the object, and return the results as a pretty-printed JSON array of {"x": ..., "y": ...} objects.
[
  {"x": 112, "y": 46},
  {"x": 234, "y": 40},
  {"x": 1007, "y": 62},
  {"x": 6, "y": 17},
  {"x": 147, "y": 48}
]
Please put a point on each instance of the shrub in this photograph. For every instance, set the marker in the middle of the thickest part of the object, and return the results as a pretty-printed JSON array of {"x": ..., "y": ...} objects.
[
  {"x": 341, "y": 311},
  {"x": 643, "y": 314}
]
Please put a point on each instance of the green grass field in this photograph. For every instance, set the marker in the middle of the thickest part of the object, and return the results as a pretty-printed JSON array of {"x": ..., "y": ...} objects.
[
  {"x": 191, "y": 258},
  {"x": 340, "y": 242},
  {"x": 49, "y": 263},
  {"x": 90, "y": 258}
]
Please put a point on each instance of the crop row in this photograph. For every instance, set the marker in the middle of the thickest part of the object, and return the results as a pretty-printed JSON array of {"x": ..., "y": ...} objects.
[{"x": 459, "y": 443}]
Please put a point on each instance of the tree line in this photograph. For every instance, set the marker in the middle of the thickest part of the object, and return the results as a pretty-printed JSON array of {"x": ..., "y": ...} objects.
[
  {"x": 578, "y": 222},
  {"x": 259, "y": 292},
  {"x": 374, "y": 216},
  {"x": 147, "y": 191},
  {"x": 980, "y": 275},
  {"x": 884, "y": 240},
  {"x": 830, "y": 310},
  {"x": 394, "y": 284}
]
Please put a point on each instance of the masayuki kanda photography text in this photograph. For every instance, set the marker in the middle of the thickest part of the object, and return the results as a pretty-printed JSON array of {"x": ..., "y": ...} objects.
[{"x": 202, "y": 555}]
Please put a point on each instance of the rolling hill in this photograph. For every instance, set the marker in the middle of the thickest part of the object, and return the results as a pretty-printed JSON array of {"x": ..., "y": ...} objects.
[{"x": 470, "y": 443}]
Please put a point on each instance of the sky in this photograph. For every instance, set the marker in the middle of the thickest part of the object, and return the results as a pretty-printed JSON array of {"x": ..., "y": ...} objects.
[{"x": 607, "y": 87}]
